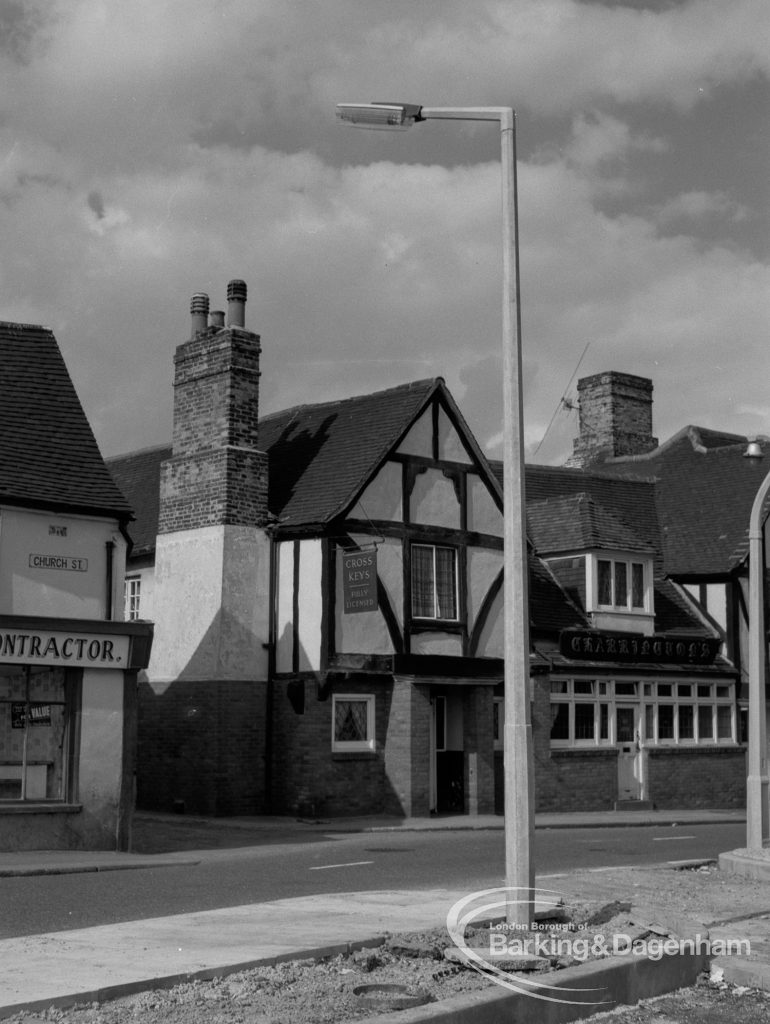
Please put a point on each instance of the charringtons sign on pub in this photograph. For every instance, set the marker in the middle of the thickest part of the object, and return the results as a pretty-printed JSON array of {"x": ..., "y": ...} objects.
[{"x": 637, "y": 647}]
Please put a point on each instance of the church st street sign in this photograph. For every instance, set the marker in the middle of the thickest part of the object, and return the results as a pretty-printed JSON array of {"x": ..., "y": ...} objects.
[{"x": 636, "y": 647}]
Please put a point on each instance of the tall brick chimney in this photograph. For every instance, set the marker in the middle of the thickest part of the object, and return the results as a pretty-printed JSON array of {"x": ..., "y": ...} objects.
[
  {"x": 212, "y": 580},
  {"x": 615, "y": 418},
  {"x": 216, "y": 474}
]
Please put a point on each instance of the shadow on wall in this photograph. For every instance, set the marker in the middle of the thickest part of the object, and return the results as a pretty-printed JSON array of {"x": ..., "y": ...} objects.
[
  {"x": 201, "y": 739},
  {"x": 308, "y": 777}
]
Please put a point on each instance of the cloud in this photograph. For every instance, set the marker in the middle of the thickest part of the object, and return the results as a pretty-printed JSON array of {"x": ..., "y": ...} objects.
[
  {"x": 699, "y": 205},
  {"x": 96, "y": 204},
  {"x": 149, "y": 151},
  {"x": 599, "y": 139},
  {"x": 134, "y": 83}
]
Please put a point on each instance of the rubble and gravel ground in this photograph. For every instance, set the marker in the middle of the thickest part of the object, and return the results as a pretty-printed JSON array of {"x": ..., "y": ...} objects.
[{"x": 320, "y": 991}]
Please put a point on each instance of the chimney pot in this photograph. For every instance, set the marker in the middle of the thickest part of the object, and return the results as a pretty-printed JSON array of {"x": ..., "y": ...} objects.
[
  {"x": 236, "y": 303},
  {"x": 199, "y": 310},
  {"x": 217, "y": 318}
]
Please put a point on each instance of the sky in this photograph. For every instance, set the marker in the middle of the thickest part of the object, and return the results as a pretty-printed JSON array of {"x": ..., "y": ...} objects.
[{"x": 152, "y": 149}]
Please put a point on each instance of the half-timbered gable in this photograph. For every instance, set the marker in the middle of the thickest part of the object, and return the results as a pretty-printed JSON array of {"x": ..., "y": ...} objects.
[{"x": 327, "y": 584}]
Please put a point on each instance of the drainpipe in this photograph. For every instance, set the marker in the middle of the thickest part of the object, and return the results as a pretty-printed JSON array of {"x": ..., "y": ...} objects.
[
  {"x": 110, "y": 559},
  {"x": 269, "y": 695}
]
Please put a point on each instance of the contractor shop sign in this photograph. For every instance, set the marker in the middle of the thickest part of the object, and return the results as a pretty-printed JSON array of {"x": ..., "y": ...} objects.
[
  {"x": 359, "y": 581},
  {"x": 72, "y": 650}
]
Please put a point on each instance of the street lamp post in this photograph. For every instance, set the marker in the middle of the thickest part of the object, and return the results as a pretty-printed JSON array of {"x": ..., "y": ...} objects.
[
  {"x": 517, "y": 735},
  {"x": 757, "y": 780}
]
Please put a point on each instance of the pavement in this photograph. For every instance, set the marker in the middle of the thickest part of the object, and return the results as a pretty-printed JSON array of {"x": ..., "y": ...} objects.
[{"x": 92, "y": 964}]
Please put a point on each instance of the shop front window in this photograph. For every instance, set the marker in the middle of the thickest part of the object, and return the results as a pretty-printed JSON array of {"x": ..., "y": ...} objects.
[
  {"x": 35, "y": 732},
  {"x": 684, "y": 713}
]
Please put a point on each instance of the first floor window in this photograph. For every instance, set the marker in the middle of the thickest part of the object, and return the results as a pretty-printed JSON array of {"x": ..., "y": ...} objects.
[
  {"x": 36, "y": 732},
  {"x": 352, "y": 722},
  {"x": 434, "y": 582},
  {"x": 132, "y": 593}
]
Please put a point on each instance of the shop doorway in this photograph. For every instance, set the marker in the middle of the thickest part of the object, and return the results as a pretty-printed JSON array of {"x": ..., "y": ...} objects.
[
  {"x": 447, "y": 756},
  {"x": 629, "y": 752}
]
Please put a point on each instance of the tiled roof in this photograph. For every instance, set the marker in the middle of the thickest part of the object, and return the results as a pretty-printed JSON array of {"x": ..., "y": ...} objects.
[
  {"x": 319, "y": 457},
  {"x": 578, "y": 523},
  {"x": 550, "y": 609},
  {"x": 138, "y": 476},
  {"x": 50, "y": 458},
  {"x": 705, "y": 489},
  {"x": 569, "y": 510},
  {"x": 322, "y": 455}
]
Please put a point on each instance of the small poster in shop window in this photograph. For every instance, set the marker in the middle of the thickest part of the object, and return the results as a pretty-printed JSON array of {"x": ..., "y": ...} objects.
[
  {"x": 359, "y": 581},
  {"x": 39, "y": 714}
]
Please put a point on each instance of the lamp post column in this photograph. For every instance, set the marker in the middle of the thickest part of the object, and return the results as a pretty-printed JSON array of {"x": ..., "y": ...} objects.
[
  {"x": 517, "y": 737},
  {"x": 757, "y": 813},
  {"x": 517, "y": 732}
]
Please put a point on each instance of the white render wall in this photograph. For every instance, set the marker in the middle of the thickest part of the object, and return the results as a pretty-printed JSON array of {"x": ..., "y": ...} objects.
[
  {"x": 78, "y": 593},
  {"x": 211, "y": 602}
]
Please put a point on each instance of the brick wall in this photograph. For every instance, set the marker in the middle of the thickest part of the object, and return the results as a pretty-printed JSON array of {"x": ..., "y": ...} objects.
[
  {"x": 307, "y": 777},
  {"x": 216, "y": 475},
  {"x": 216, "y": 391},
  {"x": 201, "y": 748},
  {"x": 697, "y": 776},
  {"x": 615, "y": 417},
  {"x": 479, "y": 781},
  {"x": 407, "y": 749},
  {"x": 569, "y": 780},
  {"x": 221, "y": 487}
]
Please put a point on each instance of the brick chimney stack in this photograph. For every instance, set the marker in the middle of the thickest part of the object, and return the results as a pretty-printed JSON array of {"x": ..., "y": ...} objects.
[
  {"x": 216, "y": 474},
  {"x": 615, "y": 418}
]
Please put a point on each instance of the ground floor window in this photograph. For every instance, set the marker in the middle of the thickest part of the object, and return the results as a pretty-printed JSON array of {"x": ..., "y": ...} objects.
[
  {"x": 36, "y": 732},
  {"x": 598, "y": 712},
  {"x": 352, "y": 722}
]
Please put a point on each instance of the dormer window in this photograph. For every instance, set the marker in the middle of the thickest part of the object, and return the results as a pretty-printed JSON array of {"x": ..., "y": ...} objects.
[{"x": 620, "y": 584}]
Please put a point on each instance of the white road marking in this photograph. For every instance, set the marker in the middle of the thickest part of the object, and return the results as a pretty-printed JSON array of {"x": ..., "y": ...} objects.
[
  {"x": 351, "y": 864},
  {"x": 669, "y": 839}
]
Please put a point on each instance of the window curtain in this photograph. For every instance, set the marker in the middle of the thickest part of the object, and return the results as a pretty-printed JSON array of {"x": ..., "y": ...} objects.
[
  {"x": 445, "y": 583},
  {"x": 423, "y": 604}
]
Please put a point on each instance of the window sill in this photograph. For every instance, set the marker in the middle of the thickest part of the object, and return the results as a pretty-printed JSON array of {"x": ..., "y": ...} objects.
[
  {"x": 693, "y": 748},
  {"x": 584, "y": 752},
  {"x": 30, "y": 807}
]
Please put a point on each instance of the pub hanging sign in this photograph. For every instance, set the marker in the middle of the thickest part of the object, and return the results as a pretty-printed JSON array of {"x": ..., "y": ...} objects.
[
  {"x": 627, "y": 647},
  {"x": 359, "y": 581}
]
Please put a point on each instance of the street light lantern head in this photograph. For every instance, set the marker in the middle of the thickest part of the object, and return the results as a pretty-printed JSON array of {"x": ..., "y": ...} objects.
[
  {"x": 754, "y": 450},
  {"x": 386, "y": 116}
]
